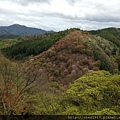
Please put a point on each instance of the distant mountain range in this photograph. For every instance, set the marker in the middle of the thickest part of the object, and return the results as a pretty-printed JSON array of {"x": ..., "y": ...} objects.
[{"x": 21, "y": 30}]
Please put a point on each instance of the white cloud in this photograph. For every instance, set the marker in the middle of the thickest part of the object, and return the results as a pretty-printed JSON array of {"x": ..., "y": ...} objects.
[{"x": 61, "y": 14}]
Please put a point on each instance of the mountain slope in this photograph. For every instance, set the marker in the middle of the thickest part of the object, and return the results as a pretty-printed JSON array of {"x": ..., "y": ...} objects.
[
  {"x": 72, "y": 56},
  {"x": 65, "y": 56},
  {"x": 21, "y": 30},
  {"x": 111, "y": 34},
  {"x": 32, "y": 45}
]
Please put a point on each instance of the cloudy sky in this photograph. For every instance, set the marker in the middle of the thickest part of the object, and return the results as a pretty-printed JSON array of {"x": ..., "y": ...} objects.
[{"x": 61, "y": 14}]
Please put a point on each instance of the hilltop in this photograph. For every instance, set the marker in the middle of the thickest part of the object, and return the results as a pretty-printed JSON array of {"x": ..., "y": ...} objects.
[{"x": 72, "y": 56}]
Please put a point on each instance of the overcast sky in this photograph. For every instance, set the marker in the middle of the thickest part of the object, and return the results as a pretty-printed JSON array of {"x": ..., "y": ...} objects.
[{"x": 61, "y": 14}]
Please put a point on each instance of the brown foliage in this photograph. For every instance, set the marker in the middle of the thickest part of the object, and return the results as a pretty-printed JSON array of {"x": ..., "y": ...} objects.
[
  {"x": 13, "y": 89},
  {"x": 64, "y": 61}
]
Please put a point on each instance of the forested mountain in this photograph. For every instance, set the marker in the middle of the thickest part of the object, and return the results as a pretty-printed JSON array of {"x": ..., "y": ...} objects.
[
  {"x": 33, "y": 44},
  {"x": 111, "y": 34},
  {"x": 74, "y": 55},
  {"x": 70, "y": 72},
  {"x": 20, "y": 30}
]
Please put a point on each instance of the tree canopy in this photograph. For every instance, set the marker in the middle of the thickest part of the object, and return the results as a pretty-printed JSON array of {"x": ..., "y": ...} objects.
[{"x": 94, "y": 93}]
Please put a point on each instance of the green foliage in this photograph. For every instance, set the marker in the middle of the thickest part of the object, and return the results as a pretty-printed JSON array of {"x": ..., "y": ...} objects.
[
  {"x": 54, "y": 85},
  {"x": 47, "y": 104},
  {"x": 114, "y": 51},
  {"x": 105, "y": 111},
  {"x": 23, "y": 49},
  {"x": 69, "y": 62},
  {"x": 106, "y": 63},
  {"x": 7, "y": 36},
  {"x": 57, "y": 72},
  {"x": 94, "y": 93},
  {"x": 111, "y": 34},
  {"x": 6, "y": 43},
  {"x": 118, "y": 61}
]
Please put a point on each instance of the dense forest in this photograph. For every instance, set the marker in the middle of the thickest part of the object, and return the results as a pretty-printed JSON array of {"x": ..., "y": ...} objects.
[
  {"x": 71, "y": 72},
  {"x": 33, "y": 46}
]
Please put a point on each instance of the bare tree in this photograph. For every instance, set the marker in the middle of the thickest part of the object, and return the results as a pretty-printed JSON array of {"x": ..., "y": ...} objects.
[{"x": 14, "y": 89}]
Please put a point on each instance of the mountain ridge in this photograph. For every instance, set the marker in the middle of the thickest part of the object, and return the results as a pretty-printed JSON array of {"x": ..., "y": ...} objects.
[
  {"x": 71, "y": 57},
  {"x": 112, "y": 34},
  {"x": 21, "y": 30}
]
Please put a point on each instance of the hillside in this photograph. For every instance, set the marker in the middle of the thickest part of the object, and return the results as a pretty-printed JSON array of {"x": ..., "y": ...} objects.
[
  {"x": 20, "y": 30},
  {"x": 71, "y": 57},
  {"x": 60, "y": 73},
  {"x": 66, "y": 54},
  {"x": 25, "y": 46},
  {"x": 111, "y": 34}
]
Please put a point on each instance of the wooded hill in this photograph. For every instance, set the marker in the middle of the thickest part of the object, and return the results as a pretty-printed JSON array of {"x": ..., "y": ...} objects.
[{"x": 67, "y": 68}]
